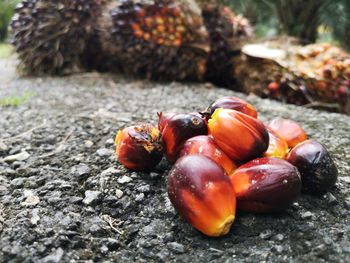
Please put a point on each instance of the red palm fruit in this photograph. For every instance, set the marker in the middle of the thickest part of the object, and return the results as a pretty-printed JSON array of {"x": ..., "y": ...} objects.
[
  {"x": 178, "y": 129},
  {"x": 206, "y": 146},
  {"x": 163, "y": 119},
  {"x": 202, "y": 194},
  {"x": 289, "y": 130},
  {"x": 317, "y": 169},
  {"x": 240, "y": 136},
  {"x": 266, "y": 185},
  {"x": 278, "y": 147},
  {"x": 233, "y": 103},
  {"x": 139, "y": 147}
]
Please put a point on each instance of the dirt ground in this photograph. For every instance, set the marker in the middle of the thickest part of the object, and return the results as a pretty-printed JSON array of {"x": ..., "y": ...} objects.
[{"x": 64, "y": 197}]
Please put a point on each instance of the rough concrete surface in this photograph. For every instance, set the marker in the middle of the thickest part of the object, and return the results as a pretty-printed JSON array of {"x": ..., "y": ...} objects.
[{"x": 64, "y": 197}]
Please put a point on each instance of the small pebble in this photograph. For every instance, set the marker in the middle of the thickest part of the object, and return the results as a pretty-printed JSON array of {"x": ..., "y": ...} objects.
[
  {"x": 109, "y": 142},
  {"x": 35, "y": 217},
  {"x": 31, "y": 200},
  {"x": 176, "y": 247},
  {"x": 83, "y": 169},
  {"x": 92, "y": 197},
  {"x": 103, "y": 152},
  {"x": 119, "y": 193},
  {"x": 140, "y": 197},
  {"x": 22, "y": 156},
  {"x": 266, "y": 234},
  {"x": 88, "y": 144},
  {"x": 307, "y": 215},
  {"x": 124, "y": 179}
]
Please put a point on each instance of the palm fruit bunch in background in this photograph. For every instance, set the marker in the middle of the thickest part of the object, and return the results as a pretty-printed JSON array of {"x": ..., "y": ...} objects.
[
  {"x": 225, "y": 158},
  {"x": 316, "y": 76},
  {"x": 157, "y": 39},
  {"x": 51, "y": 36},
  {"x": 160, "y": 39}
]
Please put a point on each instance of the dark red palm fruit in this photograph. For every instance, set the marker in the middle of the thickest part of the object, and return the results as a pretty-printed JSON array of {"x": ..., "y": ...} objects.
[
  {"x": 289, "y": 130},
  {"x": 139, "y": 147},
  {"x": 240, "y": 136},
  {"x": 202, "y": 194},
  {"x": 233, "y": 103},
  {"x": 317, "y": 168},
  {"x": 266, "y": 185},
  {"x": 163, "y": 118},
  {"x": 278, "y": 147},
  {"x": 206, "y": 146},
  {"x": 178, "y": 129}
]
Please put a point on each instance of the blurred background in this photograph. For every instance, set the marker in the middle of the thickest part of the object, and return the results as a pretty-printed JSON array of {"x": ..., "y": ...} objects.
[{"x": 310, "y": 21}]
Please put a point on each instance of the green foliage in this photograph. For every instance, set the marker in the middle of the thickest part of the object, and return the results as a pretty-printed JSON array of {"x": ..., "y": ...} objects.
[
  {"x": 16, "y": 100},
  {"x": 298, "y": 18},
  {"x": 6, "y": 12},
  {"x": 5, "y": 50}
]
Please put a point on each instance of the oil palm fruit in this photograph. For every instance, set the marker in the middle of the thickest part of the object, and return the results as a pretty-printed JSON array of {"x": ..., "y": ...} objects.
[
  {"x": 278, "y": 147},
  {"x": 316, "y": 166},
  {"x": 233, "y": 103},
  {"x": 177, "y": 129},
  {"x": 139, "y": 147},
  {"x": 240, "y": 136},
  {"x": 289, "y": 130},
  {"x": 202, "y": 194},
  {"x": 206, "y": 146},
  {"x": 266, "y": 185}
]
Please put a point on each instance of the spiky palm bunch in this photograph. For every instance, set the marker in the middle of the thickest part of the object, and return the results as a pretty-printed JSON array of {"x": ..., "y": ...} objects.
[
  {"x": 158, "y": 39},
  {"x": 51, "y": 36}
]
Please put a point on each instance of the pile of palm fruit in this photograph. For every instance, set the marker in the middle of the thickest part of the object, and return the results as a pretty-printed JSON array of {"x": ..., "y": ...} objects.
[{"x": 196, "y": 40}]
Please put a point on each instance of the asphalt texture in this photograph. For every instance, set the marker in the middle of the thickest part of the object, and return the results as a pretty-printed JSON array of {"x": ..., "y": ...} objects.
[{"x": 65, "y": 198}]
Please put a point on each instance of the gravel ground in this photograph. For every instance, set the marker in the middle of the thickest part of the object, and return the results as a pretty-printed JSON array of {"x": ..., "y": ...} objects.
[{"x": 64, "y": 198}]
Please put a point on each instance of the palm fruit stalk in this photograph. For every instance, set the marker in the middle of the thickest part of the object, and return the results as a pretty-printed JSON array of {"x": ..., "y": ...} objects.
[
  {"x": 316, "y": 76},
  {"x": 157, "y": 39},
  {"x": 51, "y": 36}
]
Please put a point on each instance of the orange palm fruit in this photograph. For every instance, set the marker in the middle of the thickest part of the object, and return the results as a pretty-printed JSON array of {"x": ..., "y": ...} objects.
[
  {"x": 240, "y": 136},
  {"x": 266, "y": 185},
  {"x": 139, "y": 147},
  {"x": 206, "y": 146},
  {"x": 202, "y": 194},
  {"x": 233, "y": 103},
  {"x": 278, "y": 147},
  {"x": 289, "y": 130},
  {"x": 177, "y": 129}
]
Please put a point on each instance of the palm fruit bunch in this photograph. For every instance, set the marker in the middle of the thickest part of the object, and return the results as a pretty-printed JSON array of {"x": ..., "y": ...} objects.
[
  {"x": 315, "y": 75},
  {"x": 161, "y": 39},
  {"x": 172, "y": 39},
  {"x": 225, "y": 158},
  {"x": 51, "y": 36}
]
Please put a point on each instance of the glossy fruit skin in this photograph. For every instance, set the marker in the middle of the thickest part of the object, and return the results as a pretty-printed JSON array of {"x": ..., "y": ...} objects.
[
  {"x": 317, "y": 168},
  {"x": 163, "y": 119},
  {"x": 202, "y": 194},
  {"x": 289, "y": 130},
  {"x": 233, "y": 103},
  {"x": 139, "y": 147},
  {"x": 266, "y": 185},
  {"x": 206, "y": 146},
  {"x": 240, "y": 136},
  {"x": 278, "y": 147},
  {"x": 178, "y": 129}
]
